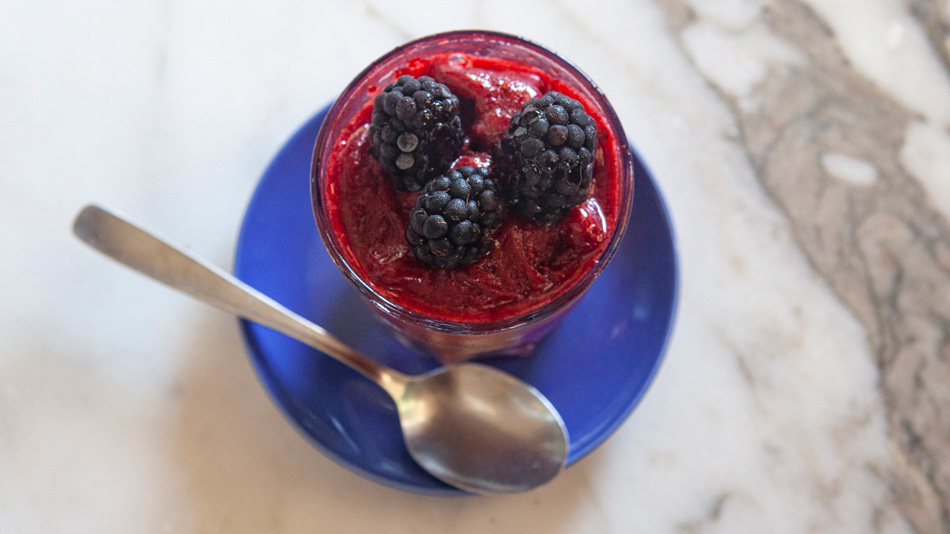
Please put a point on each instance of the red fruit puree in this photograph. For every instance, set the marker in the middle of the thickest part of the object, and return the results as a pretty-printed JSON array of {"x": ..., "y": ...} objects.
[{"x": 531, "y": 264}]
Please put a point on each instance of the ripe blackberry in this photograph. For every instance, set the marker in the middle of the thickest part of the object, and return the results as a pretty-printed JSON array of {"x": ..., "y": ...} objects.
[
  {"x": 547, "y": 157},
  {"x": 416, "y": 130},
  {"x": 455, "y": 217}
]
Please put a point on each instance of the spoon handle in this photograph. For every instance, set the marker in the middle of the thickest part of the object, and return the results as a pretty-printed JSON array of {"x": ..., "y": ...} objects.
[{"x": 170, "y": 264}]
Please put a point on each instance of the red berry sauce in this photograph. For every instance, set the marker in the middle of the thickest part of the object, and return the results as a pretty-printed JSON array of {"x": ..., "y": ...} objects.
[{"x": 530, "y": 266}]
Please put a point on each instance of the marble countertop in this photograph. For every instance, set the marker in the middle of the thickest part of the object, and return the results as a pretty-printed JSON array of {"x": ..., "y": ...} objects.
[{"x": 803, "y": 147}]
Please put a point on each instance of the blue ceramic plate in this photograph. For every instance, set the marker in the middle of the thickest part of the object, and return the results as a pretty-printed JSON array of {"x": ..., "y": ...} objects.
[{"x": 594, "y": 367}]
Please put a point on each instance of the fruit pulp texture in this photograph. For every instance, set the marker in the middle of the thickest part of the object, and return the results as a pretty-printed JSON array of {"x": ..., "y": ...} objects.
[{"x": 531, "y": 264}]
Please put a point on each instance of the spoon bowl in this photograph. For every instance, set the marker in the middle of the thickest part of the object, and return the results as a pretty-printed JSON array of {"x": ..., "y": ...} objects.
[
  {"x": 482, "y": 430},
  {"x": 469, "y": 425}
]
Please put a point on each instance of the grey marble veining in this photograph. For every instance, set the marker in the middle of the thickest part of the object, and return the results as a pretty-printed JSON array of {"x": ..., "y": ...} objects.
[
  {"x": 882, "y": 246},
  {"x": 934, "y": 18}
]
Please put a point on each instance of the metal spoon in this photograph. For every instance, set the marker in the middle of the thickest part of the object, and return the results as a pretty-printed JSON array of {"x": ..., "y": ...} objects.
[{"x": 469, "y": 425}]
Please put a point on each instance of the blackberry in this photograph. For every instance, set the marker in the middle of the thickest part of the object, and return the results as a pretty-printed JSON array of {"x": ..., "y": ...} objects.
[
  {"x": 416, "y": 130},
  {"x": 547, "y": 157},
  {"x": 455, "y": 218}
]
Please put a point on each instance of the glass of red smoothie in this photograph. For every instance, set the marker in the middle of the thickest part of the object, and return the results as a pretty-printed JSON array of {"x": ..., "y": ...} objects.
[{"x": 506, "y": 302}]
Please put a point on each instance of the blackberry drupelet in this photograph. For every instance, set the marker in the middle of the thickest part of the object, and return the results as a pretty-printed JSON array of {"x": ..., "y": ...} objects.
[
  {"x": 547, "y": 157},
  {"x": 416, "y": 130},
  {"x": 455, "y": 218}
]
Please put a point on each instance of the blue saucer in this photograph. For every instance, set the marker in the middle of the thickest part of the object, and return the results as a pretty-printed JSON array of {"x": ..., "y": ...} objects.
[{"x": 594, "y": 367}]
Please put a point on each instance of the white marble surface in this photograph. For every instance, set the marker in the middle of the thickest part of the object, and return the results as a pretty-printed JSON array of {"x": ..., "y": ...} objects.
[{"x": 125, "y": 407}]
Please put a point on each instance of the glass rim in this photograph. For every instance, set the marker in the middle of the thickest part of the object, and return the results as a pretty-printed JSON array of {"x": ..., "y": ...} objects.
[{"x": 563, "y": 300}]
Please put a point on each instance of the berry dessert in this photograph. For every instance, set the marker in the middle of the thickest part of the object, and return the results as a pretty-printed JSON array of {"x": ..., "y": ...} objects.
[{"x": 472, "y": 186}]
